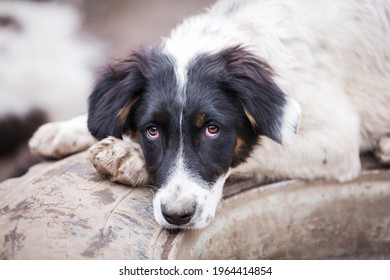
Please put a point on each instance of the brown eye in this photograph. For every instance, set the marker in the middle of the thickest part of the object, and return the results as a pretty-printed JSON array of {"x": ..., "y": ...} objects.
[
  {"x": 211, "y": 131},
  {"x": 152, "y": 132}
]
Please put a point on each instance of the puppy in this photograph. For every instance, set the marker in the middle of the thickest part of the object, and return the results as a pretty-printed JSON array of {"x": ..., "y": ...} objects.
[{"x": 283, "y": 89}]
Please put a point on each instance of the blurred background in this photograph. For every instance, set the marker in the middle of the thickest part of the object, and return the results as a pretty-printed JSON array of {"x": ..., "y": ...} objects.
[{"x": 51, "y": 52}]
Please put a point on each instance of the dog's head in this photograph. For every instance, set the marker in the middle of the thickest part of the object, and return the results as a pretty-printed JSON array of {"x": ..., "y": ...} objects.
[{"x": 193, "y": 127}]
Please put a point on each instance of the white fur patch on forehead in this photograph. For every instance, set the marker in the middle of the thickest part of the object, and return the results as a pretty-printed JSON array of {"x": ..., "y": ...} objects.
[
  {"x": 199, "y": 35},
  {"x": 180, "y": 68}
]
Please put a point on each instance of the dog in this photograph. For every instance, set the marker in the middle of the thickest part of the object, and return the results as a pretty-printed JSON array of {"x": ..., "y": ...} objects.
[
  {"x": 41, "y": 80},
  {"x": 281, "y": 89}
]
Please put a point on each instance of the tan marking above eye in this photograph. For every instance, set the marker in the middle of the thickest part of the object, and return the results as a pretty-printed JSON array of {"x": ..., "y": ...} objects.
[{"x": 199, "y": 120}]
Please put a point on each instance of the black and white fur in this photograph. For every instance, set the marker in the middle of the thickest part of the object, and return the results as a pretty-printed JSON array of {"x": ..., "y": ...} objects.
[
  {"x": 46, "y": 72},
  {"x": 281, "y": 89}
]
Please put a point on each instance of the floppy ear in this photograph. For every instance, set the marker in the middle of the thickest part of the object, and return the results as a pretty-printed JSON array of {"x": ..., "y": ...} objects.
[
  {"x": 269, "y": 110},
  {"x": 114, "y": 95}
]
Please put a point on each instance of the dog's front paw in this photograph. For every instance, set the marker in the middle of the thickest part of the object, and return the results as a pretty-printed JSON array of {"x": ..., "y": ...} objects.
[
  {"x": 121, "y": 161},
  {"x": 59, "y": 139},
  {"x": 383, "y": 150}
]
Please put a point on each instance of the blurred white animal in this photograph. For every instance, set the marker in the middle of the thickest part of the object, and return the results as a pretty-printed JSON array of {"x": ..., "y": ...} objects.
[{"x": 46, "y": 68}]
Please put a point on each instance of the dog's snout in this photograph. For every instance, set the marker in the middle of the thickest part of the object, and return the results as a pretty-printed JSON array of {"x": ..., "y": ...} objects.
[{"x": 178, "y": 214}]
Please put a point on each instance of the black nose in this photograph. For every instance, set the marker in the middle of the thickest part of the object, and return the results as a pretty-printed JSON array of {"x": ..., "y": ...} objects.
[{"x": 178, "y": 215}]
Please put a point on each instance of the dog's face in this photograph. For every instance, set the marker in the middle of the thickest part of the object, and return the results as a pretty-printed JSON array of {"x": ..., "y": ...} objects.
[{"x": 193, "y": 127}]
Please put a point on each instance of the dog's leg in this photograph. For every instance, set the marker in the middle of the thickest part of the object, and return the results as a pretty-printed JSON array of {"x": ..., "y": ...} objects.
[
  {"x": 56, "y": 140},
  {"x": 323, "y": 148},
  {"x": 119, "y": 160},
  {"x": 383, "y": 150},
  {"x": 303, "y": 160}
]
